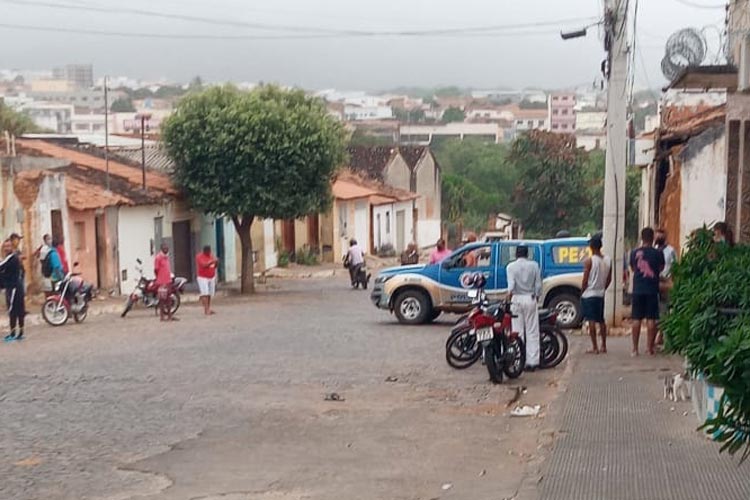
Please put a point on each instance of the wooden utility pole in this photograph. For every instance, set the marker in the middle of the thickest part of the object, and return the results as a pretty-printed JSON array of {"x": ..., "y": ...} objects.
[{"x": 615, "y": 24}]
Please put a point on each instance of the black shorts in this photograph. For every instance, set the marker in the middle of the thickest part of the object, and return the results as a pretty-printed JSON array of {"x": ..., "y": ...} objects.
[
  {"x": 645, "y": 306},
  {"x": 592, "y": 309}
]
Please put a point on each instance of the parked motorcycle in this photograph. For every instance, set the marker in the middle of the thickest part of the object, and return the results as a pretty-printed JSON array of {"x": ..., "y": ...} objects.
[
  {"x": 462, "y": 350},
  {"x": 146, "y": 292},
  {"x": 71, "y": 297}
]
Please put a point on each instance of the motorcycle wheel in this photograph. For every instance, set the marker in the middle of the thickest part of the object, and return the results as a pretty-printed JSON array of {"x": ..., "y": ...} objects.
[
  {"x": 54, "y": 315},
  {"x": 494, "y": 363},
  {"x": 128, "y": 306},
  {"x": 516, "y": 359},
  {"x": 81, "y": 316},
  {"x": 175, "y": 297},
  {"x": 462, "y": 350},
  {"x": 549, "y": 348},
  {"x": 562, "y": 341}
]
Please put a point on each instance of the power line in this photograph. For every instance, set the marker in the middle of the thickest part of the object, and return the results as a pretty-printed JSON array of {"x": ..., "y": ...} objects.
[
  {"x": 697, "y": 5},
  {"x": 295, "y": 29},
  {"x": 165, "y": 36}
]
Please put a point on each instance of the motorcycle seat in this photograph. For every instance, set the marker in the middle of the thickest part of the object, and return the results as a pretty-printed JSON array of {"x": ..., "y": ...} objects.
[{"x": 545, "y": 314}]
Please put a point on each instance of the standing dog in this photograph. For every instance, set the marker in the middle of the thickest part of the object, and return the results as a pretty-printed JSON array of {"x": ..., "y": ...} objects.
[{"x": 677, "y": 387}]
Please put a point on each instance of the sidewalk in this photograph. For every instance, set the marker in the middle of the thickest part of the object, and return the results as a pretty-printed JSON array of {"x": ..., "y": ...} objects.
[{"x": 620, "y": 440}]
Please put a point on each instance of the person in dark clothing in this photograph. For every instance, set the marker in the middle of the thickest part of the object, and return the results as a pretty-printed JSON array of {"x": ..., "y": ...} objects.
[
  {"x": 647, "y": 263},
  {"x": 11, "y": 275}
]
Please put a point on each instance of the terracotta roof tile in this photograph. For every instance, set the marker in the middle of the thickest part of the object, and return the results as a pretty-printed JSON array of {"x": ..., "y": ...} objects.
[
  {"x": 132, "y": 174},
  {"x": 683, "y": 123}
]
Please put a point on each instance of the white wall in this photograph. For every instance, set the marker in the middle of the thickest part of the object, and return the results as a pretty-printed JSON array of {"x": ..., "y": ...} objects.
[
  {"x": 384, "y": 236},
  {"x": 269, "y": 244},
  {"x": 135, "y": 232},
  {"x": 704, "y": 183},
  {"x": 361, "y": 223}
]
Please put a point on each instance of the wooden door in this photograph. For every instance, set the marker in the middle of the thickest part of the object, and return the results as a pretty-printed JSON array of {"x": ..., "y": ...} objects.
[
  {"x": 101, "y": 252},
  {"x": 287, "y": 236},
  {"x": 313, "y": 232},
  {"x": 182, "y": 250}
]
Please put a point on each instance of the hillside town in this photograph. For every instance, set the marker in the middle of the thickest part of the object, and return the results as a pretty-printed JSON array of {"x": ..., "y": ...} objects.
[{"x": 221, "y": 288}]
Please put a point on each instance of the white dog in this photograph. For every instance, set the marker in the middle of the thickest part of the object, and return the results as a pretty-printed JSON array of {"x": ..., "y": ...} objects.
[{"x": 677, "y": 387}]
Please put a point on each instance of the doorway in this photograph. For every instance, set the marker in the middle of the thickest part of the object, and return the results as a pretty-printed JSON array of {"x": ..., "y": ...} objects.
[
  {"x": 220, "y": 250},
  {"x": 182, "y": 251},
  {"x": 400, "y": 231},
  {"x": 288, "y": 237},
  {"x": 313, "y": 233},
  {"x": 57, "y": 224},
  {"x": 101, "y": 252}
]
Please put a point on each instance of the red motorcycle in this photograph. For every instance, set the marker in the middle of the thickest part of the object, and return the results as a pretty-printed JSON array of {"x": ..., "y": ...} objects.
[{"x": 146, "y": 292}]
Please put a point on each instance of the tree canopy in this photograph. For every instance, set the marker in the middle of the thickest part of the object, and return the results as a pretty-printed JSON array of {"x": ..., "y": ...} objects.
[
  {"x": 269, "y": 153},
  {"x": 453, "y": 115},
  {"x": 122, "y": 105},
  {"x": 551, "y": 192},
  {"x": 14, "y": 122}
]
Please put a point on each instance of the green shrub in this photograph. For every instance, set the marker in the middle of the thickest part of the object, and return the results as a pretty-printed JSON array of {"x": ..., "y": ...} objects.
[
  {"x": 709, "y": 324},
  {"x": 284, "y": 258},
  {"x": 306, "y": 256}
]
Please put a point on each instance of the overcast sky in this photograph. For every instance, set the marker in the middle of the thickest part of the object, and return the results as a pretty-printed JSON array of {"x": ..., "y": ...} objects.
[{"x": 530, "y": 56}]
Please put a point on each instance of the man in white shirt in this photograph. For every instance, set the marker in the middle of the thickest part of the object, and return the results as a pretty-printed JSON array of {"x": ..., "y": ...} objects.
[
  {"x": 355, "y": 259},
  {"x": 524, "y": 289}
]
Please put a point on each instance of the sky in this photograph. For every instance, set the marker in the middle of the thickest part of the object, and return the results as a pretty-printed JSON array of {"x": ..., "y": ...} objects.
[{"x": 338, "y": 55}]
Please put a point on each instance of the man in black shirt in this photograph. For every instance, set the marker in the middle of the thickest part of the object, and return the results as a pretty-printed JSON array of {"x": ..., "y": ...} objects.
[
  {"x": 647, "y": 263},
  {"x": 12, "y": 277}
]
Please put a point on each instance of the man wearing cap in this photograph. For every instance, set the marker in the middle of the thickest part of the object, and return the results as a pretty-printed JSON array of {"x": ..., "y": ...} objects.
[
  {"x": 597, "y": 276},
  {"x": 524, "y": 289}
]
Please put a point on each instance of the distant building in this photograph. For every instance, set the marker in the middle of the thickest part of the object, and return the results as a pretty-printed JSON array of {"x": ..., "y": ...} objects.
[
  {"x": 530, "y": 119},
  {"x": 590, "y": 129},
  {"x": 424, "y": 134},
  {"x": 48, "y": 85},
  {"x": 80, "y": 98},
  {"x": 561, "y": 112},
  {"x": 51, "y": 117},
  {"x": 360, "y": 113},
  {"x": 80, "y": 75}
]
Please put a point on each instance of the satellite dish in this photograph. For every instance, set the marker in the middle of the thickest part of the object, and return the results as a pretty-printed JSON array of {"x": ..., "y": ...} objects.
[{"x": 686, "y": 47}]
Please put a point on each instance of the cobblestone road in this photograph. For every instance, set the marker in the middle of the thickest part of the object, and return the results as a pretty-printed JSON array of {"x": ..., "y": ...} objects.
[{"x": 232, "y": 407}]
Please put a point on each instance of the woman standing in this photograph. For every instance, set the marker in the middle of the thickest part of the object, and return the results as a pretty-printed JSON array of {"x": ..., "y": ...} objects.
[{"x": 11, "y": 275}]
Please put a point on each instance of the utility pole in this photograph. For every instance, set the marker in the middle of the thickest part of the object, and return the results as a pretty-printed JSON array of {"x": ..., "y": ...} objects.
[
  {"x": 106, "y": 128},
  {"x": 615, "y": 23}
]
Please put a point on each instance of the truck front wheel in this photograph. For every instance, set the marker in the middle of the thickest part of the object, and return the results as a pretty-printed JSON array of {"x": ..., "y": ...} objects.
[
  {"x": 412, "y": 307},
  {"x": 568, "y": 308}
]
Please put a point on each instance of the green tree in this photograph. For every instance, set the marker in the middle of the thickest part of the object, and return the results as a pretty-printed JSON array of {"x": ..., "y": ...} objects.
[
  {"x": 122, "y": 105},
  {"x": 14, "y": 122},
  {"x": 453, "y": 115},
  {"x": 477, "y": 181},
  {"x": 269, "y": 153},
  {"x": 551, "y": 191}
]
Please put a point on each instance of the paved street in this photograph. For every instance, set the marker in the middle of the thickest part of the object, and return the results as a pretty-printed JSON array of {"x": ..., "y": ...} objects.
[{"x": 232, "y": 407}]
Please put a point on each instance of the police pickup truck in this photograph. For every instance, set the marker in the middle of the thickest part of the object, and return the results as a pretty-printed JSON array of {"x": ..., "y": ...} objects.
[{"x": 419, "y": 294}]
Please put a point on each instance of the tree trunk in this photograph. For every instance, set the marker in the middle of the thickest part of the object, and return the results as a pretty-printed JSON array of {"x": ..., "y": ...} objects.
[{"x": 243, "y": 225}]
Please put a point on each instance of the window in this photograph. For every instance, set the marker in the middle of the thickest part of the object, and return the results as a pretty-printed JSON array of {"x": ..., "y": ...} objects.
[
  {"x": 474, "y": 257},
  {"x": 555, "y": 126},
  {"x": 519, "y": 123},
  {"x": 565, "y": 111},
  {"x": 565, "y": 98},
  {"x": 565, "y": 126},
  {"x": 508, "y": 254},
  {"x": 555, "y": 98},
  {"x": 540, "y": 123},
  {"x": 387, "y": 223},
  {"x": 555, "y": 111},
  {"x": 530, "y": 123},
  {"x": 79, "y": 230}
]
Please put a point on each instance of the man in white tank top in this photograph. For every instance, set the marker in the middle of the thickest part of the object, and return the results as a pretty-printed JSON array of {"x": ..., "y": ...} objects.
[{"x": 597, "y": 276}]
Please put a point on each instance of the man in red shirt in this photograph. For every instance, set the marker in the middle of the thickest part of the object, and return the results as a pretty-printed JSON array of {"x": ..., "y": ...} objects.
[
  {"x": 206, "y": 265},
  {"x": 163, "y": 273},
  {"x": 61, "y": 252}
]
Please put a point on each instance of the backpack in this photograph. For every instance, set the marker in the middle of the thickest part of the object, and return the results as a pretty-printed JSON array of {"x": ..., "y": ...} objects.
[{"x": 47, "y": 265}]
